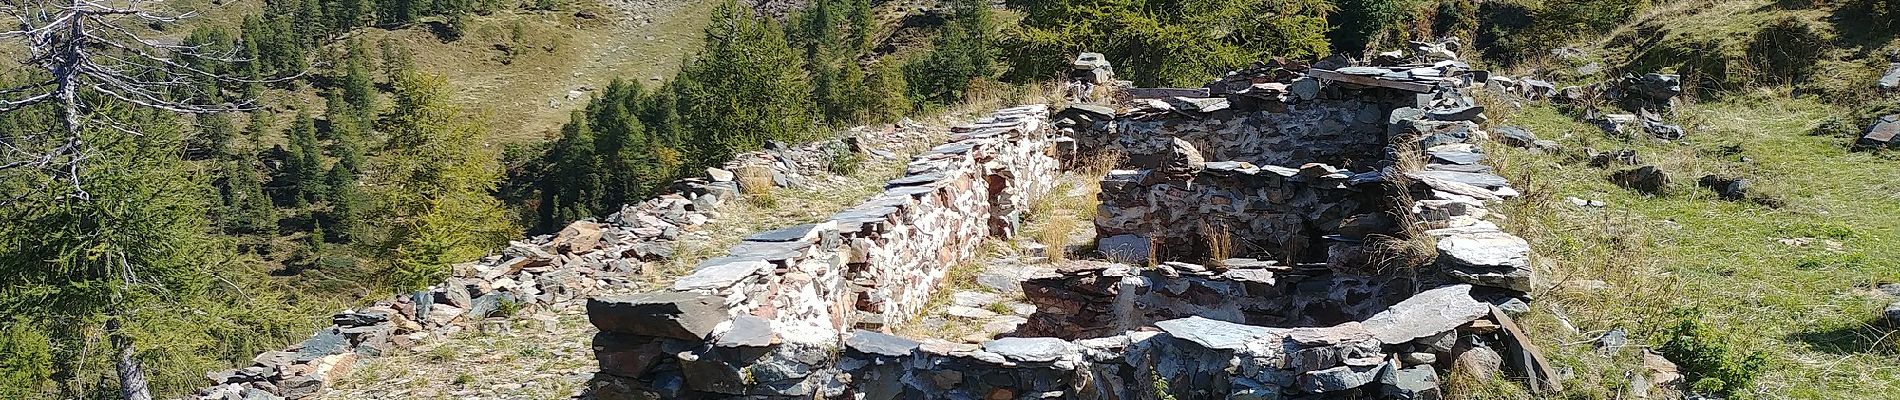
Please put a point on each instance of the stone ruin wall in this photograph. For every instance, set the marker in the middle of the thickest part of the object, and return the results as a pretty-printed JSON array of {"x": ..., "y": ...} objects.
[
  {"x": 1099, "y": 299},
  {"x": 886, "y": 255},
  {"x": 536, "y": 273},
  {"x": 1319, "y": 324}
]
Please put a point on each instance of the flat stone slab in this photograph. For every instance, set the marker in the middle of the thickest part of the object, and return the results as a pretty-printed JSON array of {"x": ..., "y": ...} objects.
[
  {"x": 974, "y": 299},
  {"x": 324, "y": 343},
  {"x": 727, "y": 272},
  {"x": 917, "y": 179},
  {"x": 678, "y": 315},
  {"x": 1459, "y": 158},
  {"x": 1487, "y": 181},
  {"x": 786, "y": 234},
  {"x": 746, "y": 331},
  {"x": 869, "y": 342},
  {"x": 1042, "y": 349},
  {"x": 1215, "y": 334},
  {"x": 1426, "y": 314},
  {"x": 1485, "y": 249}
]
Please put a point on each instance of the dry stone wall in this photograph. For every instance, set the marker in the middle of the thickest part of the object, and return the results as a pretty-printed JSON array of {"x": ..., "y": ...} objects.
[
  {"x": 883, "y": 257},
  {"x": 545, "y": 271},
  {"x": 796, "y": 289},
  {"x": 1321, "y": 317}
]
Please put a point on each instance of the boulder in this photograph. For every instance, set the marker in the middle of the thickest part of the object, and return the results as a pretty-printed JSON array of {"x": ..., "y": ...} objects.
[
  {"x": 1477, "y": 361},
  {"x": 1487, "y": 258},
  {"x": 455, "y": 293},
  {"x": 745, "y": 331},
  {"x": 1881, "y": 133},
  {"x": 719, "y": 175},
  {"x": 1484, "y": 249},
  {"x": 664, "y": 314},
  {"x": 443, "y": 315},
  {"x": 324, "y": 343},
  {"x": 1515, "y": 136},
  {"x": 578, "y": 237},
  {"x": 1419, "y": 382},
  {"x": 1731, "y": 189},
  {"x": 1337, "y": 378}
]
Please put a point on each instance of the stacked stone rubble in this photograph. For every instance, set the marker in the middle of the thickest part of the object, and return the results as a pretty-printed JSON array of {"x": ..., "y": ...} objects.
[
  {"x": 545, "y": 271},
  {"x": 875, "y": 261},
  {"x": 1330, "y": 323}
]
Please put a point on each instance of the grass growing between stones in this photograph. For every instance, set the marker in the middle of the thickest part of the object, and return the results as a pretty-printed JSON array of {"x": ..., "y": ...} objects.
[{"x": 1787, "y": 275}]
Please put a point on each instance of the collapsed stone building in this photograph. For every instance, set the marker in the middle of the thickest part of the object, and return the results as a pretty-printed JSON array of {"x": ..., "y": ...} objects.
[{"x": 1289, "y": 231}]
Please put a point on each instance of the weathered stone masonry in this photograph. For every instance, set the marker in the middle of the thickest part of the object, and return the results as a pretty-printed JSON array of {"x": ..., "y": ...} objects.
[{"x": 1304, "y": 309}]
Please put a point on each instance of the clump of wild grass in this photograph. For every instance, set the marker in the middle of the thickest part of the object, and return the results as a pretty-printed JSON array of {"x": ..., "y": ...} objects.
[
  {"x": 1219, "y": 241},
  {"x": 755, "y": 182}
]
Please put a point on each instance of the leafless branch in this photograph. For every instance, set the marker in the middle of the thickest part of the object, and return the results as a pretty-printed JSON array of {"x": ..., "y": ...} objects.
[{"x": 91, "y": 53}]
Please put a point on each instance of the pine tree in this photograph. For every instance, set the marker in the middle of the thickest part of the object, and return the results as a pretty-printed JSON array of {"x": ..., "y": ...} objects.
[
  {"x": 571, "y": 192},
  {"x": 215, "y": 132},
  {"x": 619, "y": 145},
  {"x": 436, "y": 183},
  {"x": 359, "y": 92},
  {"x": 247, "y": 208},
  {"x": 347, "y": 14},
  {"x": 746, "y": 86},
  {"x": 122, "y": 258},
  {"x": 885, "y": 99},
  {"x": 961, "y": 55},
  {"x": 305, "y": 166},
  {"x": 346, "y": 204}
]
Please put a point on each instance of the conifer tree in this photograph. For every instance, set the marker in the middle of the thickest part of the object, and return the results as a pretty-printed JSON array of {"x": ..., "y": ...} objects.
[
  {"x": 305, "y": 168},
  {"x": 247, "y": 208},
  {"x": 963, "y": 53},
  {"x": 746, "y": 86},
  {"x": 435, "y": 184}
]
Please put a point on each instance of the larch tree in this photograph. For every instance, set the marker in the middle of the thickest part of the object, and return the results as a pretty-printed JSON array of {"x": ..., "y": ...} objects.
[{"x": 96, "y": 227}]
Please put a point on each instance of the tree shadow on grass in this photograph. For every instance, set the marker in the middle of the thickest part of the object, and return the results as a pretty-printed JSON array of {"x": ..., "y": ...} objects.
[
  {"x": 1864, "y": 29},
  {"x": 1878, "y": 336}
]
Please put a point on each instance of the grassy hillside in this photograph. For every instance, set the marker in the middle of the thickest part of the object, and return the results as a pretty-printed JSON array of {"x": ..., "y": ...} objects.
[
  {"x": 1788, "y": 275},
  {"x": 521, "y": 67}
]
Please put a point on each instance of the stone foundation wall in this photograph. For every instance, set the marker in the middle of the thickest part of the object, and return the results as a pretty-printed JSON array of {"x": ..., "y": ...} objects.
[
  {"x": 1254, "y": 211},
  {"x": 1097, "y": 299},
  {"x": 1236, "y": 328},
  {"x": 532, "y": 274},
  {"x": 1395, "y": 353},
  {"x": 883, "y": 257}
]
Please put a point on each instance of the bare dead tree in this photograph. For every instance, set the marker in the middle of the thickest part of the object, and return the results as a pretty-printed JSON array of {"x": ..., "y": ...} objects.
[
  {"x": 90, "y": 52},
  {"x": 82, "y": 57}
]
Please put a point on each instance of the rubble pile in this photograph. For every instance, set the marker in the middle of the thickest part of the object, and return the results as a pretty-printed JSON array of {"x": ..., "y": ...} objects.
[
  {"x": 802, "y": 165},
  {"x": 1297, "y": 168}
]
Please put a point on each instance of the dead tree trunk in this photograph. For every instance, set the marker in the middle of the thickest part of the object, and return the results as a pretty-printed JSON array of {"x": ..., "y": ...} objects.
[{"x": 132, "y": 382}]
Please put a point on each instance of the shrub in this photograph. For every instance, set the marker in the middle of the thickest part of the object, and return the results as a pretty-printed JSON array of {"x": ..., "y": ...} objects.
[
  {"x": 1712, "y": 361},
  {"x": 844, "y": 161}
]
